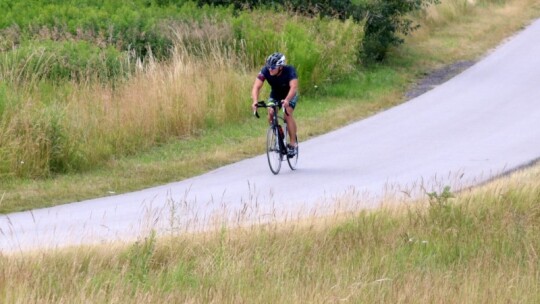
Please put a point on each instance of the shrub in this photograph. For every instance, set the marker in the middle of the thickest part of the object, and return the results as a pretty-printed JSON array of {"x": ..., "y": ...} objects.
[{"x": 386, "y": 19}]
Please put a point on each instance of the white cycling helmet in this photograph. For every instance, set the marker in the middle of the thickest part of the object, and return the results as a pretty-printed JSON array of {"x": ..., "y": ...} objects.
[{"x": 275, "y": 60}]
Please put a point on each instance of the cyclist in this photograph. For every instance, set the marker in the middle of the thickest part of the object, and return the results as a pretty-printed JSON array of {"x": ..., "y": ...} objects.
[{"x": 284, "y": 85}]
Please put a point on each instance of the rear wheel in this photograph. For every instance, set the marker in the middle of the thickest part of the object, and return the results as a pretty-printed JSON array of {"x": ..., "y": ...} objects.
[
  {"x": 293, "y": 161},
  {"x": 272, "y": 151}
]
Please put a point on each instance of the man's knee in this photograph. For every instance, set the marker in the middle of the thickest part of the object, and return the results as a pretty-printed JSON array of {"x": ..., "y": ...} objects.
[{"x": 290, "y": 113}]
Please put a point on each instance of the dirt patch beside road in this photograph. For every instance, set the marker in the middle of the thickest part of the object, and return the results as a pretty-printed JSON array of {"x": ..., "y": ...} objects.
[{"x": 437, "y": 77}]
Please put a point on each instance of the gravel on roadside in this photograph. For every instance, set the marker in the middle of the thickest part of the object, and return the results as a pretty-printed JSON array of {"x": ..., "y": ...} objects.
[{"x": 437, "y": 77}]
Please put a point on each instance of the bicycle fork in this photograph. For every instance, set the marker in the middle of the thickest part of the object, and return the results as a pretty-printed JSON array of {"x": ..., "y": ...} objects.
[{"x": 281, "y": 134}]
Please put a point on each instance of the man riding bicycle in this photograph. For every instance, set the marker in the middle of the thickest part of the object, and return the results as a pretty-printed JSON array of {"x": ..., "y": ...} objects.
[{"x": 284, "y": 83}]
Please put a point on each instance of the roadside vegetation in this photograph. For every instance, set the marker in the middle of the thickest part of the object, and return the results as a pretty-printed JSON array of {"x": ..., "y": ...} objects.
[
  {"x": 84, "y": 115},
  {"x": 479, "y": 245}
]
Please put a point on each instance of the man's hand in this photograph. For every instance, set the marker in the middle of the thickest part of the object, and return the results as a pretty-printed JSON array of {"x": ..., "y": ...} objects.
[
  {"x": 285, "y": 103},
  {"x": 254, "y": 106}
]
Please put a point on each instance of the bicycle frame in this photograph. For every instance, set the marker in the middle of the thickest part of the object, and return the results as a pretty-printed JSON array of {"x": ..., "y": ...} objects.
[{"x": 282, "y": 137}]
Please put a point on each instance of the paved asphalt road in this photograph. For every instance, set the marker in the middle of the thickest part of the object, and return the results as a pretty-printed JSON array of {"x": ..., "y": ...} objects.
[{"x": 480, "y": 124}]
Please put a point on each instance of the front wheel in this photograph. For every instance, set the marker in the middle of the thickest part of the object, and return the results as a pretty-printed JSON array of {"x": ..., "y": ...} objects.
[{"x": 272, "y": 150}]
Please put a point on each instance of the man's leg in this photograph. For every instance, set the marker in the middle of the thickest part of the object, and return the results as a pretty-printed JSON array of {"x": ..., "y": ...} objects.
[
  {"x": 291, "y": 126},
  {"x": 270, "y": 115}
]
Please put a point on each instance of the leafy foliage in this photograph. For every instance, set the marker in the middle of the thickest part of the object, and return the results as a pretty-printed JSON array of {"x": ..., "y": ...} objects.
[
  {"x": 127, "y": 26},
  {"x": 386, "y": 19},
  {"x": 341, "y": 9}
]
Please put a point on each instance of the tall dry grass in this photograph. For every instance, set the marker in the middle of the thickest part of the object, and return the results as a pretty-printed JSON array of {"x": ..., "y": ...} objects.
[
  {"x": 463, "y": 29},
  {"x": 80, "y": 125},
  {"x": 448, "y": 11},
  {"x": 480, "y": 246}
]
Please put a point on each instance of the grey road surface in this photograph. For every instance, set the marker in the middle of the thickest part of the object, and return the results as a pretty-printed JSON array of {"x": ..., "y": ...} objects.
[{"x": 478, "y": 125}]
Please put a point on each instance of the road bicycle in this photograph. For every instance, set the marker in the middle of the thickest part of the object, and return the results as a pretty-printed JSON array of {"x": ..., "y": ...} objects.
[{"x": 277, "y": 139}]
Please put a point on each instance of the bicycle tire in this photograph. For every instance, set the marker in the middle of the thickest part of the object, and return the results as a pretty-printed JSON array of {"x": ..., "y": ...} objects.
[
  {"x": 293, "y": 161},
  {"x": 272, "y": 150}
]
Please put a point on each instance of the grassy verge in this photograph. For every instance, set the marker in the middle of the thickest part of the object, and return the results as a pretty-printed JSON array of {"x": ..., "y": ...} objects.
[
  {"x": 439, "y": 42},
  {"x": 480, "y": 247}
]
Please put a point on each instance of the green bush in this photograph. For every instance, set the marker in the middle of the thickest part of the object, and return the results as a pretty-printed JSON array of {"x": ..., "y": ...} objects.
[{"x": 386, "y": 20}]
